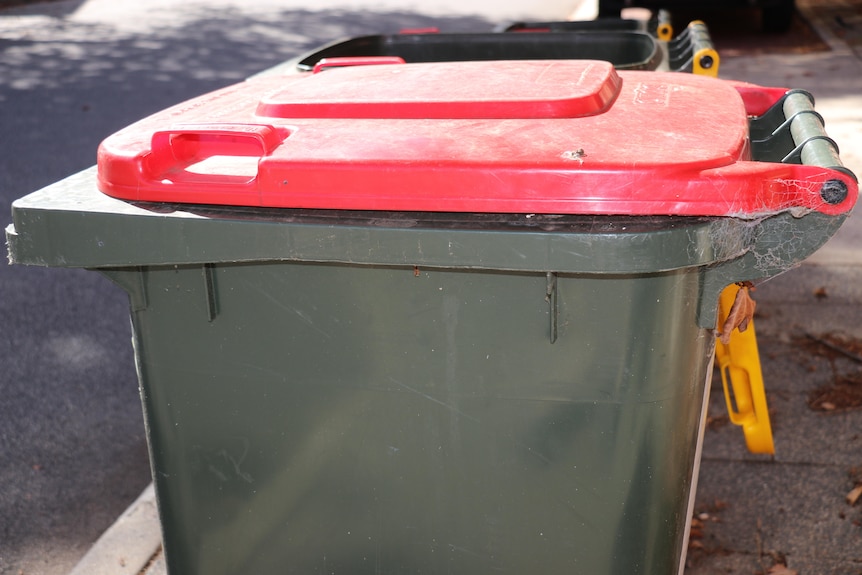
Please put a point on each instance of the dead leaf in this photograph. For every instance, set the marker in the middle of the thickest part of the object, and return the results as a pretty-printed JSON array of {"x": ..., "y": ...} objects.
[
  {"x": 845, "y": 346},
  {"x": 740, "y": 315},
  {"x": 820, "y": 293},
  {"x": 717, "y": 421},
  {"x": 854, "y": 495},
  {"x": 779, "y": 569},
  {"x": 843, "y": 394}
]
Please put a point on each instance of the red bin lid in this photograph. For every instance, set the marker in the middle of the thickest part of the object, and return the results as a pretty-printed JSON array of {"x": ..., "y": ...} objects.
[{"x": 561, "y": 136}]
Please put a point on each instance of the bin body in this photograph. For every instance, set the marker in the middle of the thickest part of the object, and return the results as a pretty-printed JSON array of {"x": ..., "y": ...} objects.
[
  {"x": 429, "y": 332},
  {"x": 365, "y": 419}
]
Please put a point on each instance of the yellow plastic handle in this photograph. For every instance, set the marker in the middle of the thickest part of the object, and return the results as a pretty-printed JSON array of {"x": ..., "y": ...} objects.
[{"x": 742, "y": 379}]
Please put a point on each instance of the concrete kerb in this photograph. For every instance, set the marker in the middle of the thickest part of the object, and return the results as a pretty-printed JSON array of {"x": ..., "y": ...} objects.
[{"x": 129, "y": 545}]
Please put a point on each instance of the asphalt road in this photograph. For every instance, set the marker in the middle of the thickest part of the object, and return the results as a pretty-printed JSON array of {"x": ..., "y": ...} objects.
[{"x": 72, "y": 444}]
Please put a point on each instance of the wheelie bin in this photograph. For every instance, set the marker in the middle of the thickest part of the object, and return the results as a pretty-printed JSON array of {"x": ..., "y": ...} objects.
[
  {"x": 625, "y": 49},
  {"x": 441, "y": 317},
  {"x": 691, "y": 51},
  {"x": 659, "y": 25}
]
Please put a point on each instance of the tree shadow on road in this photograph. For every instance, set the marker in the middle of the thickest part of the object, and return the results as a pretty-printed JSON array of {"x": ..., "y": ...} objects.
[{"x": 67, "y": 85}]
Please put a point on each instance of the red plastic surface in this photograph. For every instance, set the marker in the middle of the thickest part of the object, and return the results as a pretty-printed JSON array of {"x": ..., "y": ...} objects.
[
  {"x": 757, "y": 99},
  {"x": 328, "y": 63},
  {"x": 470, "y": 90},
  {"x": 567, "y": 137},
  {"x": 428, "y": 30}
]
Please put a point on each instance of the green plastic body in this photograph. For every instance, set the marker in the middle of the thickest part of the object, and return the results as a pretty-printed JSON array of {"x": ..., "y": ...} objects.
[{"x": 416, "y": 393}]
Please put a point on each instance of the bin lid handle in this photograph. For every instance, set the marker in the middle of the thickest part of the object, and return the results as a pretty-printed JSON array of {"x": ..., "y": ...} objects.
[{"x": 342, "y": 62}]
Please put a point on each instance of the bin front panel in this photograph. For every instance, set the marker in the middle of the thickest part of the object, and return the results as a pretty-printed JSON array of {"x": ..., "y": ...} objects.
[{"x": 312, "y": 418}]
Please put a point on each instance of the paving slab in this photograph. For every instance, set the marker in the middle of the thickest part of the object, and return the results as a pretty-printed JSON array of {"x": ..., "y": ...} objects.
[
  {"x": 830, "y": 438},
  {"x": 768, "y": 511}
]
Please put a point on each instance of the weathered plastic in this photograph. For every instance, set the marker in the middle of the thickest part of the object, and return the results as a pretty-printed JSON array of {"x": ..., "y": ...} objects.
[
  {"x": 405, "y": 137},
  {"x": 367, "y": 391}
]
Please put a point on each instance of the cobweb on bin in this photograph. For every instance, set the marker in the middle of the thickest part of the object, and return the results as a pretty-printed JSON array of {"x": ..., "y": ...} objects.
[
  {"x": 794, "y": 196},
  {"x": 775, "y": 252},
  {"x": 776, "y": 243},
  {"x": 732, "y": 237}
]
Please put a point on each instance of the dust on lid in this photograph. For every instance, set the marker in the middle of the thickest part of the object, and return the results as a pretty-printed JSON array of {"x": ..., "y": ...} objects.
[{"x": 552, "y": 137}]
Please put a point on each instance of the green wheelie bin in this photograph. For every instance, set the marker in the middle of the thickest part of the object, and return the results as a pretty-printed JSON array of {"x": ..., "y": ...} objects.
[{"x": 441, "y": 317}]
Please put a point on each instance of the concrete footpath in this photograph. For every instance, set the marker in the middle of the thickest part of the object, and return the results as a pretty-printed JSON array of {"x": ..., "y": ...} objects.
[{"x": 782, "y": 514}]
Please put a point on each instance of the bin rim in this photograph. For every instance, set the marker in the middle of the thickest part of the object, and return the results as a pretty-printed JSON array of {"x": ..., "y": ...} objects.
[{"x": 71, "y": 224}]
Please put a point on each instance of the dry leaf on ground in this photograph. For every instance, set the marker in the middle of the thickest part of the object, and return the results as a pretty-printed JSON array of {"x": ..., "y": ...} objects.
[
  {"x": 779, "y": 569},
  {"x": 854, "y": 495}
]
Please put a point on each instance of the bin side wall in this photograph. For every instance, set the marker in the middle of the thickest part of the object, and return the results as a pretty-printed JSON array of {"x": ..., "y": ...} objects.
[{"x": 308, "y": 417}]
